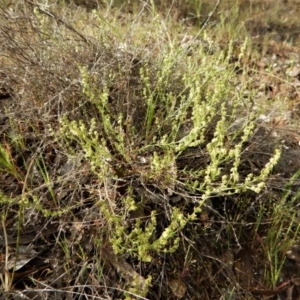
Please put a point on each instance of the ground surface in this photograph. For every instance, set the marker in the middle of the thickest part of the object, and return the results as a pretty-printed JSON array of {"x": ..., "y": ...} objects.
[{"x": 56, "y": 238}]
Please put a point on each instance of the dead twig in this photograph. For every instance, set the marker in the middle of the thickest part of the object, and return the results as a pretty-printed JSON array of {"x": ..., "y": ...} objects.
[{"x": 60, "y": 20}]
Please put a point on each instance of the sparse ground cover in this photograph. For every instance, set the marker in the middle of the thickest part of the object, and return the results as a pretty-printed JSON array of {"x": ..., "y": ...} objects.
[{"x": 149, "y": 150}]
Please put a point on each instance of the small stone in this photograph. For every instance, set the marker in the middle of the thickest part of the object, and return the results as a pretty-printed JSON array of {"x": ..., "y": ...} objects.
[
  {"x": 175, "y": 198},
  {"x": 294, "y": 72},
  {"x": 178, "y": 288},
  {"x": 274, "y": 57}
]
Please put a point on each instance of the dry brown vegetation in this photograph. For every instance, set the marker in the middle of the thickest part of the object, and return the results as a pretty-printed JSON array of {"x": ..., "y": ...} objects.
[{"x": 138, "y": 150}]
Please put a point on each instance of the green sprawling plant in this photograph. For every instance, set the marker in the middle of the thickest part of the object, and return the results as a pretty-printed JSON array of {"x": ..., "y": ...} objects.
[{"x": 150, "y": 152}]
